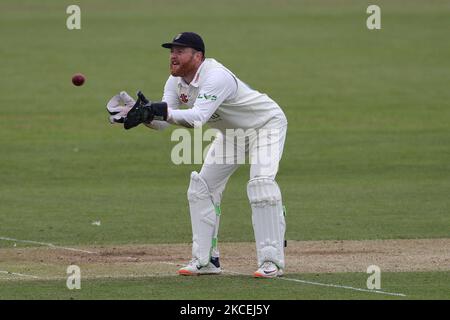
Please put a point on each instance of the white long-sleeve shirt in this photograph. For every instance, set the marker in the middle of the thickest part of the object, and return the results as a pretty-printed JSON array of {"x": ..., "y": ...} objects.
[{"x": 217, "y": 97}]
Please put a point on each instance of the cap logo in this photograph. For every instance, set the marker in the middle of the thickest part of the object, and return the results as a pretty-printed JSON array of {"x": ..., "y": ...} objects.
[{"x": 178, "y": 36}]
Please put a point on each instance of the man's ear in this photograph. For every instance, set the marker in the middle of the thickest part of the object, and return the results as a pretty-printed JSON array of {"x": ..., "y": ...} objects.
[{"x": 199, "y": 53}]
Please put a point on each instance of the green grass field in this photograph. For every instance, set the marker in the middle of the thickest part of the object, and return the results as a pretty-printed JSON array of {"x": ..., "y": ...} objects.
[
  {"x": 367, "y": 154},
  {"x": 235, "y": 287}
]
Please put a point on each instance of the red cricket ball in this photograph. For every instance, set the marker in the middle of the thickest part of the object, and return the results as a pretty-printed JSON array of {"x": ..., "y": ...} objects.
[{"x": 78, "y": 79}]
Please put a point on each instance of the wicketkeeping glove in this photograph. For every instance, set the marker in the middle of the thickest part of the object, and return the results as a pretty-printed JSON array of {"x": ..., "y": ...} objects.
[
  {"x": 118, "y": 107},
  {"x": 144, "y": 111}
]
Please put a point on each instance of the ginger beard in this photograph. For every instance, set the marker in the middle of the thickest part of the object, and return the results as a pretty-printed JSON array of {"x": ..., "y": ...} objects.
[{"x": 182, "y": 67}]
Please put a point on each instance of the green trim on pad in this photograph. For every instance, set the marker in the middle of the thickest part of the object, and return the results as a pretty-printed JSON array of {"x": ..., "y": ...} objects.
[{"x": 218, "y": 210}]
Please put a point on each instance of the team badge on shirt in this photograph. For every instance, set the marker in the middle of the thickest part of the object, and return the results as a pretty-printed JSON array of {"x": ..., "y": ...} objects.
[{"x": 184, "y": 98}]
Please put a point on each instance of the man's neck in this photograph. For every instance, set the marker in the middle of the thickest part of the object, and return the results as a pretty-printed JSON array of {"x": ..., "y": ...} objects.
[{"x": 188, "y": 79}]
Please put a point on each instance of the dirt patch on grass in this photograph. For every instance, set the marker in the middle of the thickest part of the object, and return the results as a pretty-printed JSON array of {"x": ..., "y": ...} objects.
[{"x": 164, "y": 259}]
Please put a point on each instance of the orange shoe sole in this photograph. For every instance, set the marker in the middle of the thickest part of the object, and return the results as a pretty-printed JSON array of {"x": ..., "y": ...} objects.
[
  {"x": 261, "y": 275},
  {"x": 187, "y": 273}
]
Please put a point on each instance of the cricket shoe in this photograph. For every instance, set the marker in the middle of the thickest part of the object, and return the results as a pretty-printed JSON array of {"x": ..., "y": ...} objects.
[
  {"x": 195, "y": 269},
  {"x": 268, "y": 270}
]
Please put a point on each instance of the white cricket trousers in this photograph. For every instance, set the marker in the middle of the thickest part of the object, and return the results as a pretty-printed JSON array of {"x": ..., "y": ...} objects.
[{"x": 262, "y": 148}]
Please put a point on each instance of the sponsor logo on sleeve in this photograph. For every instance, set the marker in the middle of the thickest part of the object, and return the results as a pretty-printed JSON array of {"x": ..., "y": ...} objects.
[{"x": 204, "y": 96}]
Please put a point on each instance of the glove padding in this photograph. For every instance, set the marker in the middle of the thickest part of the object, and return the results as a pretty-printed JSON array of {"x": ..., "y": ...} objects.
[
  {"x": 118, "y": 107},
  {"x": 144, "y": 111}
]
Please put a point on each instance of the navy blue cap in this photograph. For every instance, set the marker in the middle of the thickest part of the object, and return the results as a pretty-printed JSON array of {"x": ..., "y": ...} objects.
[{"x": 187, "y": 39}]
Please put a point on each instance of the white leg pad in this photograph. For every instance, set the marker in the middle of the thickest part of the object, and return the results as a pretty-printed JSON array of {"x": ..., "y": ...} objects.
[
  {"x": 203, "y": 219},
  {"x": 268, "y": 220}
]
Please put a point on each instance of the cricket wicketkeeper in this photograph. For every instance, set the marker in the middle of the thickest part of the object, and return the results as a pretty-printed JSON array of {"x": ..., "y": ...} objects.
[{"x": 216, "y": 96}]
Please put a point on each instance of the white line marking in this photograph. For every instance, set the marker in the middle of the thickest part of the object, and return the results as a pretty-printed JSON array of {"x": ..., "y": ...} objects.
[
  {"x": 171, "y": 263},
  {"x": 341, "y": 287},
  {"x": 51, "y": 245},
  {"x": 109, "y": 277},
  {"x": 18, "y": 274},
  {"x": 234, "y": 272},
  {"x": 316, "y": 283}
]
